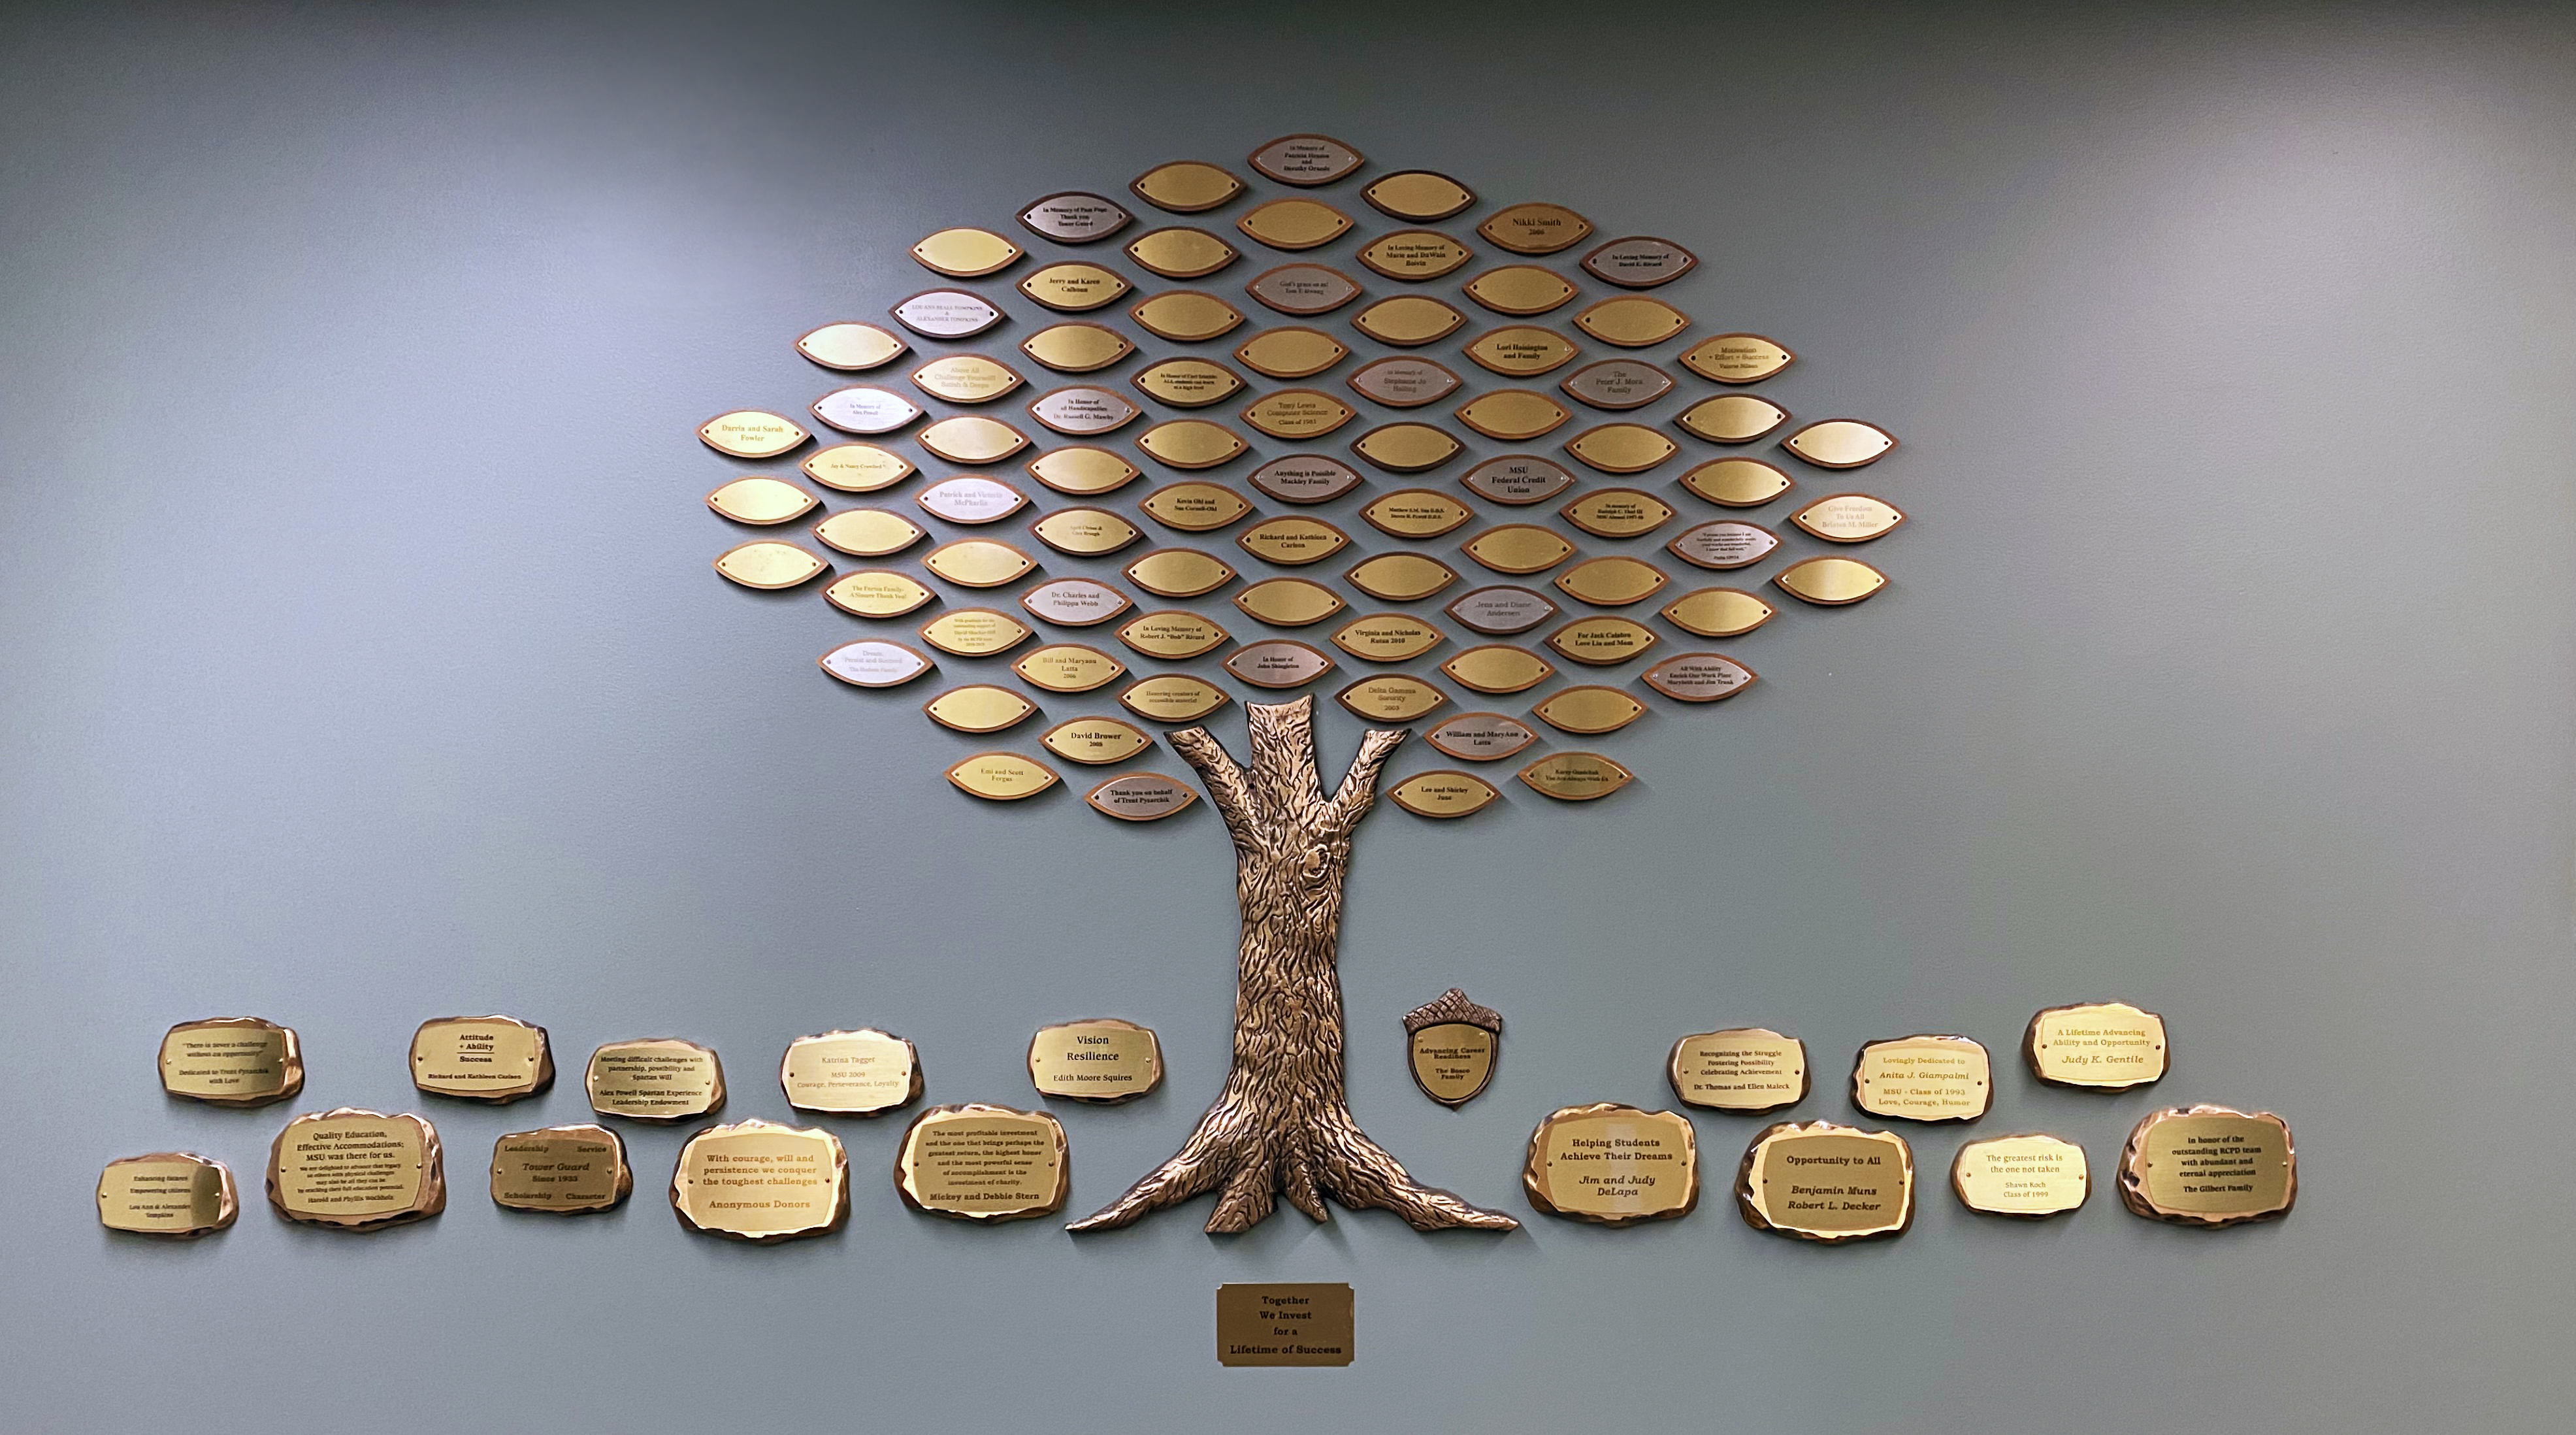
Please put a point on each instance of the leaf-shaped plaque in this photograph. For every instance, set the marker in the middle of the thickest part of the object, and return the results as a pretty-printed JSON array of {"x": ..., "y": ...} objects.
[
  {"x": 1481, "y": 737},
  {"x": 1519, "y": 548},
  {"x": 1699, "y": 677},
  {"x": 874, "y": 663},
  {"x": 1186, "y": 186},
  {"x": 1095, "y": 741},
  {"x": 1074, "y": 287},
  {"x": 1589, "y": 709},
  {"x": 1519, "y": 289},
  {"x": 1075, "y": 218},
  {"x": 857, "y": 467},
  {"x": 966, "y": 378},
  {"x": 1522, "y": 350},
  {"x": 978, "y": 562},
  {"x": 1415, "y": 255},
  {"x": 1141, "y": 796},
  {"x": 1602, "y": 642},
  {"x": 966, "y": 253},
  {"x": 1830, "y": 582},
  {"x": 1297, "y": 414},
  {"x": 1737, "y": 482},
  {"x": 1077, "y": 348},
  {"x": 1195, "y": 507},
  {"x": 974, "y": 632},
  {"x": 1179, "y": 573},
  {"x": 1289, "y": 602},
  {"x": 761, "y": 501},
  {"x": 1083, "y": 411},
  {"x": 1404, "y": 382},
  {"x": 769, "y": 563},
  {"x": 1387, "y": 638},
  {"x": 864, "y": 410},
  {"x": 971, "y": 498},
  {"x": 1726, "y": 543},
  {"x": 1442, "y": 794},
  {"x": 1084, "y": 532},
  {"x": 1292, "y": 540},
  {"x": 1512, "y": 414},
  {"x": 1632, "y": 322},
  {"x": 1517, "y": 479},
  {"x": 1069, "y": 668},
  {"x": 1278, "y": 663},
  {"x": 1617, "y": 512},
  {"x": 1848, "y": 518},
  {"x": 850, "y": 346},
  {"x": 1304, "y": 478},
  {"x": 1840, "y": 443},
  {"x": 875, "y": 593},
  {"x": 1306, "y": 160},
  {"x": 1536, "y": 228},
  {"x": 1186, "y": 316},
  {"x": 971, "y": 438},
  {"x": 1641, "y": 262},
  {"x": 1401, "y": 577},
  {"x": 1717, "y": 612},
  {"x": 1304, "y": 288},
  {"x": 1191, "y": 443},
  {"x": 1612, "y": 582},
  {"x": 1419, "y": 195},
  {"x": 1188, "y": 383},
  {"x": 1291, "y": 353},
  {"x": 1173, "y": 697},
  {"x": 867, "y": 532},
  {"x": 1082, "y": 471},
  {"x": 1074, "y": 602},
  {"x": 1393, "y": 697},
  {"x": 1621, "y": 448},
  {"x": 1499, "y": 668},
  {"x": 946, "y": 314},
  {"x": 1182, "y": 253},
  {"x": 1408, "y": 320},
  {"x": 750, "y": 433},
  {"x": 1732, "y": 418},
  {"x": 978, "y": 708},
  {"x": 1617, "y": 384},
  {"x": 1406, "y": 447},
  {"x": 1002, "y": 776},
  {"x": 1173, "y": 635},
  {"x": 1737, "y": 358},
  {"x": 1503, "y": 609},
  {"x": 1576, "y": 776}
]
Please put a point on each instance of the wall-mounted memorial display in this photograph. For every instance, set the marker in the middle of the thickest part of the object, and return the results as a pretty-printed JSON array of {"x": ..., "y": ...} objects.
[
  {"x": 356, "y": 1170},
  {"x": 2209, "y": 1166},
  {"x": 232, "y": 1061},
  {"x": 498, "y": 1059},
  {"x": 167, "y": 1193},
  {"x": 561, "y": 1170},
  {"x": 760, "y": 1181},
  {"x": 984, "y": 1163},
  {"x": 1613, "y": 1165},
  {"x": 655, "y": 1079},
  {"x": 1103, "y": 1060}
]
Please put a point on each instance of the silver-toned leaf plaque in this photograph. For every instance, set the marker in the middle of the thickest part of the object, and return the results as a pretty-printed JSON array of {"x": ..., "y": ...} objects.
[
  {"x": 1304, "y": 478},
  {"x": 1183, "y": 252},
  {"x": 1744, "y": 1069},
  {"x": 1840, "y": 443},
  {"x": 1415, "y": 255},
  {"x": 2033, "y": 1176},
  {"x": 1503, "y": 610},
  {"x": 983, "y": 1163},
  {"x": 1613, "y": 1165},
  {"x": 232, "y": 1061},
  {"x": 874, "y": 663},
  {"x": 1535, "y": 228},
  {"x": 561, "y": 1170},
  {"x": 1075, "y": 218},
  {"x": 1102, "y": 1060},
  {"x": 850, "y": 346},
  {"x": 1737, "y": 358},
  {"x": 971, "y": 498},
  {"x": 1186, "y": 186},
  {"x": 1481, "y": 737},
  {"x": 1725, "y": 543},
  {"x": 1404, "y": 382},
  {"x": 946, "y": 314},
  {"x": 1188, "y": 383},
  {"x": 355, "y": 1170},
  {"x": 1453, "y": 1043},
  {"x": 761, "y": 1181},
  {"x": 1588, "y": 709},
  {"x": 167, "y": 1193},
  {"x": 1443, "y": 794},
  {"x": 655, "y": 1079},
  {"x": 966, "y": 253},
  {"x": 1828, "y": 1183},
  {"x": 974, "y": 563},
  {"x": 2096, "y": 1046},
  {"x": 1387, "y": 638},
  {"x": 1304, "y": 288},
  {"x": 1074, "y": 602},
  {"x": 1617, "y": 384},
  {"x": 1640, "y": 262},
  {"x": 1418, "y": 195},
  {"x": 1306, "y": 160},
  {"x": 1517, "y": 479},
  {"x": 481, "y": 1058},
  {"x": 1141, "y": 797},
  {"x": 1924, "y": 1078},
  {"x": 1699, "y": 677},
  {"x": 863, "y": 410},
  {"x": 1082, "y": 411},
  {"x": 2209, "y": 1166}
]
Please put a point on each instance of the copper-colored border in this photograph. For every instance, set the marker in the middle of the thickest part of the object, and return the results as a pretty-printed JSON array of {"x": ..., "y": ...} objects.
[
  {"x": 1242, "y": 600},
  {"x": 1464, "y": 414},
  {"x": 1619, "y": 770},
  {"x": 430, "y": 1200},
  {"x": 227, "y": 1196},
  {"x": 911, "y": 411},
  {"x": 2133, "y": 1176},
  {"x": 1369, "y": 193},
  {"x": 1137, "y": 381},
  {"x": 1566, "y": 384},
  {"x": 1013, "y": 257},
  {"x": 1218, "y": 697},
  {"x": 1341, "y": 351},
  {"x": 922, "y": 500},
  {"x": 1019, "y": 440},
  {"x": 752, "y": 1126},
  {"x": 1063, "y": 1163},
  {"x": 538, "y": 1080},
  {"x": 1780, "y": 581},
  {"x": 1231, "y": 253},
  {"x": 922, "y": 659},
  {"x": 1124, "y": 603},
  {"x": 290, "y": 1062},
  {"x": 1583, "y": 229},
  {"x": 1465, "y": 255},
  {"x": 1693, "y": 352},
  {"x": 1126, "y": 346},
  {"x": 1517, "y": 570},
  {"x": 1136, "y": 186},
  {"x": 1296, "y": 436},
  {"x": 1438, "y": 698},
  {"x": 1133, "y": 472},
  {"x": 1534, "y": 1180},
  {"x": 1350, "y": 479},
  {"x": 1675, "y": 546},
  {"x": 1434, "y": 638},
  {"x": 914, "y": 533},
  {"x": 1017, "y": 379},
  {"x": 1683, "y": 422},
  {"x": 1252, "y": 287},
  {"x": 1787, "y": 484},
  {"x": 1369, "y": 514},
  {"x": 1568, "y": 513},
  {"x": 1144, "y": 441},
  {"x": 1653, "y": 680},
  {"x": 1673, "y": 1070},
  {"x": 1152, "y": 1041},
  {"x": 1309, "y": 649},
  {"x": 1689, "y": 262},
  {"x": 1134, "y": 411},
  {"x": 1453, "y": 1007},
  {"x": 1341, "y": 539},
  {"x": 1546, "y": 669},
  {"x": 1090, "y": 306},
  {"x": 1790, "y": 443},
  {"x": 1564, "y": 582},
  {"x": 816, "y": 456},
  {"x": 1755, "y": 1217},
  {"x": 1666, "y": 613},
  {"x": 1189, "y": 795},
  {"x": 1306, "y": 181},
  {"x": 1352, "y": 382},
  {"x": 1539, "y": 709},
  {"x": 1117, "y": 669},
  {"x": 901, "y": 346},
  {"x": 1474, "y": 347},
  {"x": 959, "y": 783},
  {"x": 1027, "y": 709},
  {"x": 1137, "y": 310},
  {"x": 1529, "y": 735},
  {"x": 820, "y": 567},
  {"x": 1457, "y": 321},
  {"x": 621, "y": 1188},
  {"x": 1221, "y": 638},
  {"x": 1861, "y": 1058},
  {"x": 1144, "y": 740},
  {"x": 923, "y": 632},
  {"x": 1242, "y": 505},
  {"x": 894, "y": 311},
  {"x": 831, "y": 594},
  {"x": 1390, "y": 595},
  {"x": 1559, "y": 302},
  {"x": 1226, "y": 573},
  {"x": 1037, "y": 530},
  {"x": 1590, "y": 325},
  {"x": 1556, "y": 640},
  {"x": 1574, "y": 446},
  {"x": 745, "y": 454},
  {"x": 1396, "y": 794},
  {"x": 1551, "y": 605},
  {"x": 1125, "y": 217}
]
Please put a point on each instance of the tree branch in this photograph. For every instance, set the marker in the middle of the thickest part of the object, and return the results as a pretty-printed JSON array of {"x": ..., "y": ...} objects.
[
  {"x": 1358, "y": 791},
  {"x": 1283, "y": 755},
  {"x": 1228, "y": 791}
]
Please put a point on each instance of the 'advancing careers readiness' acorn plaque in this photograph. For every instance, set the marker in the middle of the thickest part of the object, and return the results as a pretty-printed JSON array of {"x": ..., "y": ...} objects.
[
  {"x": 760, "y": 1181},
  {"x": 561, "y": 1170},
  {"x": 1823, "y": 1182},
  {"x": 2209, "y": 1166},
  {"x": 481, "y": 1058},
  {"x": 983, "y": 1163},
  {"x": 1613, "y": 1165},
  {"x": 1450, "y": 1047},
  {"x": 1293, "y": 1323},
  {"x": 231, "y": 1061},
  {"x": 168, "y": 1193},
  {"x": 356, "y": 1170}
]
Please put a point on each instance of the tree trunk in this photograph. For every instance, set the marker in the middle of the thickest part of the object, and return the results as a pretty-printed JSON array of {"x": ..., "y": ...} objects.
[{"x": 1282, "y": 1122}]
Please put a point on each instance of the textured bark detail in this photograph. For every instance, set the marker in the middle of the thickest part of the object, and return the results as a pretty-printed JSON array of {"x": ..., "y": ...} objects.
[{"x": 1282, "y": 1122}]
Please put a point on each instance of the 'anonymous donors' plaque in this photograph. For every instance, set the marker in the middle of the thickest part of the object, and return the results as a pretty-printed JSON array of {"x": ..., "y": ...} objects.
[
  {"x": 759, "y": 1181},
  {"x": 1450, "y": 1047},
  {"x": 560, "y": 1170},
  {"x": 168, "y": 1193},
  {"x": 2209, "y": 1166},
  {"x": 1299, "y": 1323},
  {"x": 2098, "y": 1046},
  {"x": 481, "y": 1058},
  {"x": 657, "y": 1079},
  {"x": 1614, "y": 1165},
  {"x": 2032, "y": 1176},
  {"x": 1924, "y": 1078},
  {"x": 1746, "y": 1069},
  {"x": 1104, "y": 1060},
  {"x": 356, "y": 1170},
  {"x": 983, "y": 1163},
  {"x": 231, "y": 1061},
  {"x": 851, "y": 1073},
  {"x": 1823, "y": 1182}
]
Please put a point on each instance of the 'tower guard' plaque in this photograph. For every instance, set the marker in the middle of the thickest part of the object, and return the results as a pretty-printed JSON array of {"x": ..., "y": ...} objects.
[
  {"x": 655, "y": 1079},
  {"x": 1613, "y": 1165},
  {"x": 2032, "y": 1176},
  {"x": 2097, "y": 1046},
  {"x": 760, "y": 1181},
  {"x": 356, "y": 1170},
  {"x": 561, "y": 1170},
  {"x": 851, "y": 1073},
  {"x": 983, "y": 1163},
  {"x": 1451, "y": 1045},
  {"x": 1745, "y": 1069},
  {"x": 481, "y": 1058},
  {"x": 231, "y": 1061},
  {"x": 1924, "y": 1078},
  {"x": 2210, "y": 1166},
  {"x": 168, "y": 1193},
  {"x": 1823, "y": 1182},
  {"x": 1102, "y": 1060}
]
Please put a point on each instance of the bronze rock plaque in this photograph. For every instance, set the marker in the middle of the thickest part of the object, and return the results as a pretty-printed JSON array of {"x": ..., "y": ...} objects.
[
  {"x": 1481, "y": 737},
  {"x": 1187, "y": 316},
  {"x": 1082, "y": 411},
  {"x": 1699, "y": 677},
  {"x": 1408, "y": 320},
  {"x": 1443, "y": 794},
  {"x": 1520, "y": 289},
  {"x": 983, "y": 1163},
  {"x": 769, "y": 564},
  {"x": 1294, "y": 352},
  {"x": 1621, "y": 448},
  {"x": 1613, "y": 1165},
  {"x": 1848, "y": 518},
  {"x": 1512, "y": 414},
  {"x": 1075, "y": 218},
  {"x": 1292, "y": 540},
  {"x": 978, "y": 708},
  {"x": 971, "y": 498},
  {"x": 966, "y": 378},
  {"x": 1828, "y": 1183},
  {"x": 1617, "y": 384},
  {"x": 1304, "y": 478},
  {"x": 1191, "y": 444},
  {"x": 167, "y": 1193},
  {"x": 1737, "y": 482},
  {"x": 1140, "y": 797},
  {"x": 1173, "y": 697},
  {"x": 1575, "y": 776},
  {"x": 1418, "y": 195},
  {"x": 1173, "y": 635},
  {"x": 971, "y": 439},
  {"x": 1182, "y": 253},
  {"x": 355, "y": 1170},
  {"x": 1717, "y": 612},
  {"x": 1518, "y": 548},
  {"x": 1082, "y": 470},
  {"x": 1406, "y": 447},
  {"x": 655, "y": 1079},
  {"x": 1737, "y": 358},
  {"x": 1415, "y": 255},
  {"x": 1179, "y": 573},
  {"x": 974, "y": 632},
  {"x": 850, "y": 346},
  {"x": 1617, "y": 512},
  {"x": 1452, "y": 1042},
  {"x": 857, "y": 467},
  {"x": 1292, "y": 1323},
  {"x": 1186, "y": 187},
  {"x": 966, "y": 253},
  {"x": 1924, "y": 1078},
  {"x": 232, "y": 1061},
  {"x": 946, "y": 314},
  {"x": 1503, "y": 610},
  {"x": 1614, "y": 581},
  {"x": 1830, "y": 582},
  {"x": 1188, "y": 383},
  {"x": 1743, "y": 1069},
  {"x": 1001, "y": 776},
  {"x": 1278, "y": 663},
  {"x": 1517, "y": 479},
  {"x": 2032, "y": 1175},
  {"x": 978, "y": 562},
  {"x": 1640, "y": 262},
  {"x": 561, "y": 1170},
  {"x": 1393, "y": 697},
  {"x": 1602, "y": 642},
  {"x": 1095, "y": 741},
  {"x": 1306, "y": 160},
  {"x": 1404, "y": 382},
  {"x": 863, "y": 410},
  {"x": 1499, "y": 668},
  {"x": 1074, "y": 602},
  {"x": 1589, "y": 709},
  {"x": 1297, "y": 414},
  {"x": 1535, "y": 228},
  {"x": 1085, "y": 532},
  {"x": 850, "y": 1073},
  {"x": 1387, "y": 638},
  {"x": 1522, "y": 350},
  {"x": 481, "y": 1058},
  {"x": 2209, "y": 1166},
  {"x": 1732, "y": 418},
  {"x": 1068, "y": 668},
  {"x": 760, "y": 1181},
  {"x": 1304, "y": 288},
  {"x": 2096, "y": 1046},
  {"x": 1101, "y": 1060},
  {"x": 1723, "y": 544},
  {"x": 1631, "y": 322},
  {"x": 875, "y": 593},
  {"x": 1195, "y": 506},
  {"x": 1294, "y": 224},
  {"x": 1840, "y": 443},
  {"x": 1076, "y": 347},
  {"x": 1401, "y": 577},
  {"x": 1289, "y": 602},
  {"x": 867, "y": 532}
]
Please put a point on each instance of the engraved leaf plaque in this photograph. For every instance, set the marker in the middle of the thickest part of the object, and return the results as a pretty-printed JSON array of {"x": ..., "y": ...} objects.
[
  {"x": 1848, "y": 518},
  {"x": 1073, "y": 287},
  {"x": 1074, "y": 602},
  {"x": 1453, "y": 1042},
  {"x": 1304, "y": 478},
  {"x": 1517, "y": 479},
  {"x": 974, "y": 632},
  {"x": 1602, "y": 642},
  {"x": 1085, "y": 532},
  {"x": 1699, "y": 677},
  {"x": 1522, "y": 350},
  {"x": 1297, "y": 414},
  {"x": 1068, "y": 668},
  {"x": 1304, "y": 289},
  {"x": 1195, "y": 507},
  {"x": 1415, "y": 255},
  {"x": 1173, "y": 635},
  {"x": 1828, "y": 1183},
  {"x": 1188, "y": 383},
  {"x": 1404, "y": 382},
  {"x": 971, "y": 499},
  {"x": 1387, "y": 638},
  {"x": 946, "y": 314},
  {"x": 1737, "y": 358},
  {"x": 1173, "y": 697},
  {"x": 1393, "y": 698},
  {"x": 761, "y": 1181},
  {"x": 1442, "y": 794},
  {"x": 1140, "y": 797},
  {"x": 966, "y": 378},
  {"x": 875, "y": 593},
  {"x": 1617, "y": 512},
  {"x": 750, "y": 433},
  {"x": 1075, "y": 218},
  {"x": 1726, "y": 543},
  {"x": 1083, "y": 411},
  {"x": 863, "y": 410},
  {"x": 1481, "y": 737},
  {"x": 1617, "y": 384},
  {"x": 1744, "y": 1069},
  {"x": 1292, "y": 540},
  {"x": 1503, "y": 610},
  {"x": 1306, "y": 160},
  {"x": 1613, "y": 1165},
  {"x": 1641, "y": 262},
  {"x": 857, "y": 467},
  {"x": 1095, "y": 741},
  {"x": 1536, "y": 228},
  {"x": 1576, "y": 776},
  {"x": 1001, "y": 776},
  {"x": 1102, "y": 1060}
]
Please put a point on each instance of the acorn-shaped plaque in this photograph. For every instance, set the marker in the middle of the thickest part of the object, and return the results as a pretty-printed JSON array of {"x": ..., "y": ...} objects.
[{"x": 1451, "y": 1045}]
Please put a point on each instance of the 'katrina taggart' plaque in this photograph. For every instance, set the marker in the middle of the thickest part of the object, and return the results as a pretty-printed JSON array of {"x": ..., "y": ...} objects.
[
  {"x": 2097, "y": 1046},
  {"x": 1823, "y": 1182},
  {"x": 1451, "y": 1044},
  {"x": 1295, "y": 1323},
  {"x": 1613, "y": 1165},
  {"x": 498, "y": 1059},
  {"x": 2032, "y": 1176},
  {"x": 1924, "y": 1078},
  {"x": 561, "y": 1170},
  {"x": 851, "y": 1073},
  {"x": 760, "y": 1181},
  {"x": 657, "y": 1079},
  {"x": 356, "y": 1170},
  {"x": 168, "y": 1193},
  {"x": 2209, "y": 1166},
  {"x": 1747, "y": 1069},
  {"x": 231, "y": 1061},
  {"x": 983, "y": 1163},
  {"x": 1102, "y": 1060}
]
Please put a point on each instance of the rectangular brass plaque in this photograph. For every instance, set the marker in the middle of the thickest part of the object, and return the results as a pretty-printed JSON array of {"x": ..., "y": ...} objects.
[
  {"x": 1296, "y": 1323},
  {"x": 2207, "y": 1164}
]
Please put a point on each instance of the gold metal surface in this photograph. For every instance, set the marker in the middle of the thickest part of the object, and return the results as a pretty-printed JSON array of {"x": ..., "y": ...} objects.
[
  {"x": 1924, "y": 1078},
  {"x": 2096, "y": 1046},
  {"x": 1741, "y": 1069},
  {"x": 761, "y": 501},
  {"x": 2209, "y": 1166},
  {"x": 1520, "y": 289},
  {"x": 1068, "y": 668},
  {"x": 1699, "y": 677},
  {"x": 1401, "y": 577},
  {"x": 1074, "y": 602},
  {"x": 1173, "y": 697},
  {"x": 971, "y": 438},
  {"x": 1611, "y": 582},
  {"x": 1725, "y": 544},
  {"x": 867, "y": 532},
  {"x": 1186, "y": 316},
  {"x": 167, "y": 1193},
  {"x": 1602, "y": 642},
  {"x": 1418, "y": 195},
  {"x": 1076, "y": 348},
  {"x": 1617, "y": 513},
  {"x": 862, "y": 409},
  {"x": 1512, "y": 414},
  {"x": 1082, "y": 471},
  {"x": 1085, "y": 532},
  {"x": 232, "y": 1061},
  {"x": 851, "y": 347},
  {"x": 1102, "y": 1060},
  {"x": 978, "y": 708},
  {"x": 561, "y": 1170},
  {"x": 1737, "y": 482},
  {"x": 1291, "y": 353},
  {"x": 1193, "y": 506},
  {"x": 1576, "y": 776},
  {"x": 1074, "y": 287},
  {"x": 1737, "y": 358},
  {"x": 1454, "y": 1041},
  {"x": 760, "y": 1181},
  {"x": 1406, "y": 447},
  {"x": 1297, "y": 414},
  {"x": 1284, "y": 1323},
  {"x": 1182, "y": 253},
  {"x": 1394, "y": 697},
  {"x": 1536, "y": 228},
  {"x": 857, "y": 467},
  {"x": 1304, "y": 478},
  {"x": 1840, "y": 443},
  {"x": 1186, "y": 186},
  {"x": 1387, "y": 637},
  {"x": 1617, "y": 384},
  {"x": 1415, "y": 255},
  {"x": 1294, "y": 223},
  {"x": 1830, "y": 582},
  {"x": 983, "y": 1163},
  {"x": 1140, "y": 797},
  {"x": 1589, "y": 709},
  {"x": 1717, "y": 612},
  {"x": 1278, "y": 663},
  {"x": 974, "y": 632},
  {"x": 1613, "y": 1165},
  {"x": 1075, "y": 217},
  {"x": 1481, "y": 737},
  {"x": 356, "y": 1170},
  {"x": 866, "y": 1072},
  {"x": 1522, "y": 350},
  {"x": 1517, "y": 479},
  {"x": 1173, "y": 635},
  {"x": 1519, "y": 548},
  {"x": 1406, "y": 381},
  {"x": 1828, "y": 1183},
  {"x": 1001, "y": 776},
  {"x": 1289, "y": 602},
  {"x": 876, "y": 593},
  {"x": 966, "y": 253},
  {"x": 2029, "y": 1175},
  {"x": 1732, "y": 418},
  {"x": 1640, "y": 262},
  {"x": 1631, "y": 321},
  {"x": 1292, "y": 540},
  {"x": 966, "y": 378},
  {"x": 1179, "y": 573},
  {"x": 1443, "y": 794},
  {"x": 1191, "y": 443},
  {"x": 655, "y": 1079},
  {"x": 751, "y": 433},
  {"x": 1095, "y": 741},
  {"x": 1083, "y": 410},
  {"x": 1408, "y": 320},
  {"x": 1188, "y": 383},
  {"x": 1621, "y": 448},
  {"x": 1306, "y": 160},
  {"x": 1499, "y": 668},
  {"x": 481, "y": 1058},
  {"x": 769, "y": 564},
  {"x": 978, "y": 562}
]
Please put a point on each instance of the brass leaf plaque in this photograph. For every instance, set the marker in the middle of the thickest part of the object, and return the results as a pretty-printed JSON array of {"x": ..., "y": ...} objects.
[
  {"x": 1602, "y": 642},
  {"x": 1732, "y": 418},
  {"x": 1519, "y": 548},
  {"x": 1182, "y": 253},
  {"x": 1828, "y": 1183},
  {"x": 1173, "y": 697},
  {"x": 1193, "y": 506},
  {"x": 966, "y": 378},
  {"x": 1289, "y": 602},
  {"x": 978, "y": 562},
  {"x": 1001, "y": 776},
  {"x": 983, "y": 1163},
  {"x": 760, "y": 1181},
  {"x": 1291, "y": 353},
  {"x": 1536, "y": 228},
  {"x": 1617, "y": 384},
  {"x": 1481, "y": 737},
  {"x": 751, "y": 433},
  {"x": 1076, "y": 347},
  {"x": 1517, "y": 479},
  {"x": 1074, "y": 602},
  {"x": 1102, "y": 1060},
  {"x": 1726, "y": 543},
  {"x": 1848, "y": 518},
  {"x": 481, "y": 1058},
  {"x": 1503, "y": 609},
  {"x": 875, "y": 593},
  {"x": 1512, "y": 414},
  {"x": 1394, "y": 697},
  {"x": 1611, "y": 582},
  {"x": 1406, "y": 447},
  {"x": 1095, "y": 741},
  {"x": 1840, "y": 443},
  {"x": 1140, "y": 797},
  {"x": 1074, "y": 288},
  {"x": 1641, "y": 262},
  {"x": 1522, "y": 350},
  {"x": 1188, "y": 383},
  {"x": 1085, "y": 532},
  {"x": 1442, "y": 794},
  {"x": 1499, "y": 668},
  {"x": 1075, "y": 218},
  {"x": 1576, "y": 776},
  {"x": 978, "y": 708},
  {"x": 1520, "y": 289},
  {"x": 1632, "y": 323},
  {"x": 1717, "y": 612},
  {"x": 1304, "y": 478},
  {"x": 974, "y": 632},
  {"x": 1454, "y": 1042},
  {"x": 1588, "y": 709},
  {"x": 1415, "y": 255},
  {"x": 2032, "y": 1175},
  {"x": 1304, "y": 289},
  {"x": 561, "y": 1170},
  {"x": 1404, "y": 382},
  {"x": 761, "y": 501},
  {"x": 1179, "y": 573},
  {"x": 168, "y": 1193},
  {"x": 971, "y": 438},
  {"x": 1737, "y": 482},
  {"x": 1613, "y": 1165},
  {"x": 1083, "y": 411},
  {"x": 851, "y": 1073},
  {"x": 1186, "y": 316},
  {"x": 1296, "y": 414},
  {"x": 1699, "y": 677},
  {"x": 857, "y": 467},
  {"x": 769, "y": 564},
  {"x": 1408, "y": 320},
  {"x": 1401, "y": 577},
  {"x": 1069, "y": 668},
  {"x": 655, "y": 1079},
  {"x": 1082, "y": 471},
  {"x": 1191, "y": 443},
  {"x": 1306, "y": 160},
  {"x": 1830, "y": 582},
  {"x": 946, "y": 314},
  {"x": 966, "y": 253},
  {"x": 1173, "y": 635},
  {"x": 850, "y": 346},
  {"x": 1186, "y": 186},
  {"x": 1387, "y": 638},
  {"x": 1292, "y": 1323},
  {"x": 1744, "y": 1069},
  {"x": 2209, "y": 1166},
  {"x": 356, "y": 1170},
  {"x": 232, "y": 1061},
  {"x": 1418, "y": 195},
  {"x": 1621, "y": 448},
  {"x": 863, "y": 410},
  {"x": 1737, "y": 358},
  {"x": 1617, "y": 512},
  {"x": 971, "y": 498},
  {"x": 2096, "y": 1046},
  {"x": 1924, "y": 1078},
  {"x": 1292, "y": 540}
]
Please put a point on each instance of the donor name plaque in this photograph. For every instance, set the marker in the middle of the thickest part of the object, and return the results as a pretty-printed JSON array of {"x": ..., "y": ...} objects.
[
  {"x": 1104, "y": 1060},
  {"x": 2032, "y": 1176},
  {"x": 656, "y": 1079},
  {"x": 1450, "y": 1046},
  {"x": 1823, "y": 1182},
  {"x": 1299, "y": 1323},
  {"x": 759, "y": 1181},
  {"x": 481, "y": 1058},
  {"x": 983, "y": 1163},
  {"x": 231, "y": 1061},
  {"x": 851, "y": 1073},
  {"x": 1613, "y": 1165},
  {"x": 168, "y": 1193},
  {"x": 1924, "y": 1078},
  {"x": 1748, "y": 1069},
  {"x": 356, "y": 1170},
  {"x": 2098, "y": 1046},
  {"x": 561, "y": 1170},
  {"x": 2209, "y": 1166}
]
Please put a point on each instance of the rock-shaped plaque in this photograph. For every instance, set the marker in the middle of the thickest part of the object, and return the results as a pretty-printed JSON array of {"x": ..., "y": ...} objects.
[
  {"x": 1387, "y": 638},
  {"x": 1289, "y": 602},
  {"x": 168, "y": 1193},
  {"x": 1101, "y": 1060},
  {"x": 1518, "y": 548},
  {"x": 2209, "y": 1166},
  {"x": 1083, "y": 411},
  {"x": 1173, "y": 697},
  {"x": 1404, "y": 382},
  {"x": 1617, "y": 512},
  {"x": 481, "y": 1058},
  {"x": 1188, "y": 383},
  {"x": 1292, "y": 541},
  {"x": 867, "y": 532},
  {"x": 1840, "y": 443},
  {"x": 1069, "y": 668},
  {"x": 1602, "y": 642},
  {"x": 1393, "y": 698},
  {"x": 1278, "y": 663},
  {"x": 978, "y": 708},
  {"x": 1829, "y": 1183},
  {"x": 1186, "y": 186},
  {"x": 1306, "y": 160},
  {"x": 1924, "y": 1078},
  {"x": 1408, "y": 320},
  {"x": 1303, "y": 289},
  {"x": 971, "y": 439},
  {"x": 1512, "y": 415},
  {"x": 1415, "y": 255},
  {"x": 1074, "y": 288},
  {"x": 873, "y": 663},
  {"x": 1613, "y": 581},
  {"x": 1187, "y": 316},
  {"x": 1452, "y": 1043},
  {"x": 1640, "y": 262},
  {"x": 1140, "y": 797},
  {"x": 1613, "y": 1165},
  {"x": 1179, "y": 573},
  {"x": 1481, "y": 737},
  {"x": 1182, "y": 252},
  {"x": 1075, "y": 218},
  {"x": 1588, "y": 709},
  {"x": 983, "y": 1163},
  {"x": 857, "y": 467},
  {"x": 1001, "y": 776},
  {"x": 354, "y": 1170},
  {"x": 1737, "y": 358},
  {"x": 1191, "y": 443},
  {"x": 1443, "y": 794},
  {"x": 1085, "y": 532},
  {"x": 974, "y": 632},
  {"x": 1536, "y": 228},
  {"x": 1095, "y": 741},
  {"x": 760, "y": 1181},
  {"x": 769, "y": 565},
  {"x": 1499, "y": 668},
  {"x": 1304, "y": 478},
  {"x": 655, "y": 1079},
  {"x": 1830, "y": 582},
  {"x": 1848, "y": 518},
  {"x": 971, "y": 498},
  {"x": 1522, "y": 350},
  {"x": 1294, "y": 352},
  {"x": 1075, "y": 602},
  {"x": 1173, "y": 635},
  {"x": 1401, "y": 577},
  {"x": 1082, "y": 470},
  {"x": 1744, "y": 1069},
  {"x": 1737, "y": 482},
  {"x": 946, "y": 314},
  {"x": 966, "y": 378},
  {"x": 1699, "y": 677},
  {"x": 2096, "y": 1046},
  {"x": 1520, "y": 289},
  {"x": 1576, "y": 776},
  {"x": 1294, "y": 223},
  {"x": 1418, "y": 195},
  {"x": 1416, "y": 513},
  {"x": 232, "y": 1061},
  {"x": 1297, "y": 414},
  {"x": 1726, "y": 543},
  {"x": 1732, "y": 418},
  {"x": 1717, "y": 612},
  {"x": 966, "y": 253},
  {"x": 1621, "y": 448},
  {"x": 561, "y": 1170},
  {"x": 863, "y": 410},
  {"x": 1503, "y": 610},
  {"x": 851, "y": 1073},
  {"x": 851, "y": 347},
  {"x": 2032, "y": 1176},
  {"x": 761, "y": 501},
  {"x": 877, "y": 594},
  {"x": 1077, "y": 348},
  {"x": 1617, "y": 384}
]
